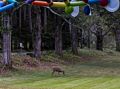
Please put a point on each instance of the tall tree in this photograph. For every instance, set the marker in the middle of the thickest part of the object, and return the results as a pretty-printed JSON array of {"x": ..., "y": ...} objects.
[
  {"x": 100, "y": 33},
  {"x": 58, "y": 36},
  {"x": 6, "y": 41},
  {"x": 37, "y": 33},
  {"x": 74, "y": 38},
  {"x": 117, "y": 39}
]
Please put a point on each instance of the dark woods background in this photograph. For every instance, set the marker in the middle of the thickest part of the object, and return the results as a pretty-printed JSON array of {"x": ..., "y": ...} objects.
[{"x": 40, "y": 28}]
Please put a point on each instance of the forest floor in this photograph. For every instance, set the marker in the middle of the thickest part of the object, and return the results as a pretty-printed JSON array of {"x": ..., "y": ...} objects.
[{"x": 89, "y": 70}]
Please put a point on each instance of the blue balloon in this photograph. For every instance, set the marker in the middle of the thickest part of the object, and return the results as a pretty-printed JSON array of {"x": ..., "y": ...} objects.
[
  {"x": 2, "y": 3},
  {"x": 11, "y": 1},
  {"x": 7, "y": 7},
  {"x": 93, "y": 1},
  {"x": 87, "y": 10}
]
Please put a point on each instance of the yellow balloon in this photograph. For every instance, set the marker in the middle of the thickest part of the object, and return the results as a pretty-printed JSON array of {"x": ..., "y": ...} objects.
[{"x": 4, "y": 0}]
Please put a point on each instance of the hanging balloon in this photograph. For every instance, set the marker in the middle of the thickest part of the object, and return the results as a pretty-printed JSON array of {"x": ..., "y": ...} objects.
[
  {"x": 93, "y": 1},
  {"x": 101, "y": 2},
  {"x": 67, "y": 2},
  {"x": 40, "y": 3},
  {"x": 29, "y": 1},
  {"x": 86, "y": 1},
  {"x": 68, "y": 9},
  {"x": 58, "y": 4},
  {"x": 110, "y": 5},
  {"x": 75, "y": 10},
  {"x": 4, "y": 0},
  {"x": 11, "y": 1},
  {"x": 87, "y": 10},
  {"x": 7, "y": 7},
  {"x": 77, "y": 3},
  {"x": 2, "y": 3},
  {"x": 104, "y": 2},
  {"x": 113, "y": 5}
]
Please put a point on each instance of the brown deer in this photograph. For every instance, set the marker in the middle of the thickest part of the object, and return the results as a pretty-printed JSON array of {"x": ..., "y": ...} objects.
[{"x": 57, "y": 70}]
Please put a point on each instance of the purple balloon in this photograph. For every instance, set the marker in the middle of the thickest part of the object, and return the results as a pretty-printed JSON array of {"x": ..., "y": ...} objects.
[{"x": 29, "y": 1}]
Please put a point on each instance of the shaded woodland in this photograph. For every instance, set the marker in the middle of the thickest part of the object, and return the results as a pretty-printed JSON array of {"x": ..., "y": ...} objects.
[{"x": 37, "y": 29}]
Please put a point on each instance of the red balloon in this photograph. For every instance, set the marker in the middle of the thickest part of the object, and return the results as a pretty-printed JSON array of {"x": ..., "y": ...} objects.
[{"x": 104, "y": 2}]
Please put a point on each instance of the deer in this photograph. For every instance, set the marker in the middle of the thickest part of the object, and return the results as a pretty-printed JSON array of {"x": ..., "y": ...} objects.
[{"x": 57, "y": 70}]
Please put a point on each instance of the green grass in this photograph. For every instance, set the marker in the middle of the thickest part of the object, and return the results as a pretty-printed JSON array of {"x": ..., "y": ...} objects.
[{"x": 100, "y": 71}]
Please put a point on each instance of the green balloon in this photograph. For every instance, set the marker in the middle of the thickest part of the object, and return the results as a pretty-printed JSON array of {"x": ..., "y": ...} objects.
[{"x": 68, "y": 9}]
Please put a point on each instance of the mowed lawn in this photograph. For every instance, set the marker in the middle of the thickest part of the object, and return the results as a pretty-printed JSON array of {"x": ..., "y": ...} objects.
[
  {"x": 60, "y": 83},
  {"x": 101, "y": 73}
]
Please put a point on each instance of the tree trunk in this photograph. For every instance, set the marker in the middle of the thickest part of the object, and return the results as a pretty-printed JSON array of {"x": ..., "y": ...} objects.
[
  {"x": 20, "y": 25},
  {"x": 81, "y": 38},
  {"x": 117, "y": 39},
  {"x": 74, "y": 38},
  {"x": 30, "y": 26},
  {"x": 7, "y": 49},
  {"x": 45, "y": 19},
  {"x": 88, "y": 38},
  {"x": 37, "y": 39},
  {"x": 74, "y": 41},
  {"x": 99, "y": 42},
  {"x": 30, "y": 17},
  {"x": 24, "y": 12},
  {"x": 7, "y": 42},
  {"x": 58, "y": 37}
]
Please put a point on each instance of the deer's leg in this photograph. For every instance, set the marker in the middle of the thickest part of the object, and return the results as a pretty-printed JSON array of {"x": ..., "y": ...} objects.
[
  {"x": 58, "y": 72},
  {"x": 53, "y": 72},
  {"x": 63, "y": 73}
]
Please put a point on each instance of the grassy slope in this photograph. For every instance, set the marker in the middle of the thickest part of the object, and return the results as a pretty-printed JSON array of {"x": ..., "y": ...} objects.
[{"x": 100, "y": 71}]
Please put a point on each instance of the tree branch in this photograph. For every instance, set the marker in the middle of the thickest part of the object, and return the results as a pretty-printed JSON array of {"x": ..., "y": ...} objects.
[
  {"x": 92, "y": 30},
  {"x": 106, "y": 32},
  {"x": 62, "y": 17}
]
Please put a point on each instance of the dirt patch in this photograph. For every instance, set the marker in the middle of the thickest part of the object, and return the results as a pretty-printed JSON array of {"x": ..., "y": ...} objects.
[
  {"x": 30, "y": 63},
  {"x": 5, "y": 70}
]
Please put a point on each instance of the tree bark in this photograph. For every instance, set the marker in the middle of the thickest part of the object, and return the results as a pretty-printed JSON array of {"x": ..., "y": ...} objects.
[
  {"x": 37, "y": 39},
  {"x": 99, "y": 42},
  {"x": 7, "y": 42},
  {"x": 117, "y": 39},
  {"x": 98, "y": 31},
  {"x": 30, "y": 26},
  {"x": 7, "y": 49},
  {"x": 74, "y": 40},
  {"x": 45, "y": 19},
  {"x": 88, "y": 38},
  {"x": 58, "y": 37},
  {"x": 30, "y": 17},
  {"x": 24, "y": 12}
]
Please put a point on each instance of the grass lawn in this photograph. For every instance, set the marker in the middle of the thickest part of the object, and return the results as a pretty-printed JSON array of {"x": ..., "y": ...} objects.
[{"x": 100, "y": 71}]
